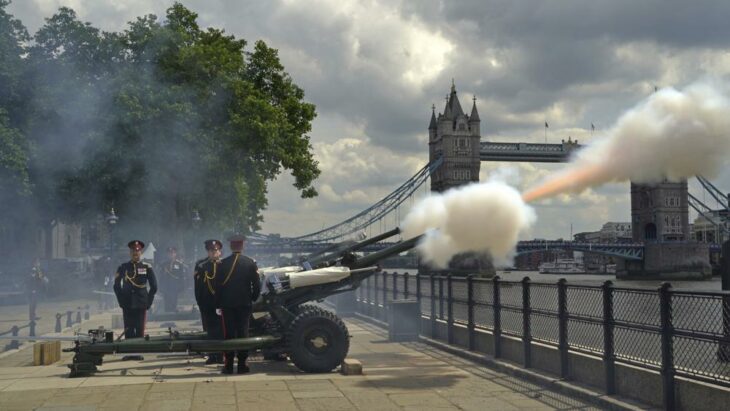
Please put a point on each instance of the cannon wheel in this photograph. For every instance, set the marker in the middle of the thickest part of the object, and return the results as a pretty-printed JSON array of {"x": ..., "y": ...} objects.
[
  {"x": 280, "y": 354},
  {"x": 317, "y": 341}
]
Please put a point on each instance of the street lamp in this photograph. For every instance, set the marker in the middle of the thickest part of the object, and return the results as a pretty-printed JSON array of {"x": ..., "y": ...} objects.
[
  {"x": 111, "y": 219},
  {"x": 196, "y": 225}
]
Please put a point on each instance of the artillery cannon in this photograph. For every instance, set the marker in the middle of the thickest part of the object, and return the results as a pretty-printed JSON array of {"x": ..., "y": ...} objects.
[{"x": 315, "y": 339}]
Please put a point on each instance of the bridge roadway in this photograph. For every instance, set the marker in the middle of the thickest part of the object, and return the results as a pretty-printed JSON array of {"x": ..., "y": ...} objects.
[
  {"x": 397, "y": 376},
  {"x": 527, "y": 152}
]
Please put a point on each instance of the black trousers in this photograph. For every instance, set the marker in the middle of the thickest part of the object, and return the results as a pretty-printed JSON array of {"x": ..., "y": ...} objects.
[
  {"x": 170, "y": 302},
  {"x": 212, "y": 323},
  {"x": 134, "y": 321},
  {"x": 235, "y": 325}
]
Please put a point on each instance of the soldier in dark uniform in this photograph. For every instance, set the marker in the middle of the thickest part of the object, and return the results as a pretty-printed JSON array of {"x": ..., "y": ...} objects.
[
  {"x": 172, "y": 279},
  {"x": 206, "y": 270},
  {"x": 237, "y": 287},
  {"x": 130, "y": 287},
  {"x": 36, "y": 287}
]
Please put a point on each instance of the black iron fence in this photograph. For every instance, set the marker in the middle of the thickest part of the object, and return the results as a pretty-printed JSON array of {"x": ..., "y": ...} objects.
[{"x": 673, "y": 332}]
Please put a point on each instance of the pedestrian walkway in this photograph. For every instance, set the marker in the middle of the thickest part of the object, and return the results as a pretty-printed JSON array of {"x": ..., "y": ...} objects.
[{"x": 407, "y": 376}]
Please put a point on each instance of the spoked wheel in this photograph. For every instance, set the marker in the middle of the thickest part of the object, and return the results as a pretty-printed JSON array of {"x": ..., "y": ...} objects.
[{"x": 318, "y": 341}]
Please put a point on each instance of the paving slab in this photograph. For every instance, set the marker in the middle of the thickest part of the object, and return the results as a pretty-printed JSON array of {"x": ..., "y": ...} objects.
[{"x": 396, "y": 376}]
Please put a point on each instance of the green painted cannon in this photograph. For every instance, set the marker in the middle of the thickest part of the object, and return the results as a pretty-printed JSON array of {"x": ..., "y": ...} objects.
[{"x": 284, "y": 324}]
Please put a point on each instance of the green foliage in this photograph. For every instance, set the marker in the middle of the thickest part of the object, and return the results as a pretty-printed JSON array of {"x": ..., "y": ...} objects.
[{"x": 157, "y": 120}]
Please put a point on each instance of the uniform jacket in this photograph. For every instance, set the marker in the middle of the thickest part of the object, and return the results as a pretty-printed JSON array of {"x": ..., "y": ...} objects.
[
  {"x": 130, "y": 285},
  {"x": 204, "y": 279},
  {"x": 36, "y": 282},
  {"x": 238, "y": 283},
  {"x": 172, "y": 278}
]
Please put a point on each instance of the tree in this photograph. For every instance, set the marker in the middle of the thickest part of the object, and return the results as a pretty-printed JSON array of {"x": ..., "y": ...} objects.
[{"x": 162, "y": 119}]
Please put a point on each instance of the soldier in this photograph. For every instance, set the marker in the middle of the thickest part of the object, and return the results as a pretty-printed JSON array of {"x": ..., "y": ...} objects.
[
  {"x": 36, "y": 287},
  {"x": 130, "y": 287},
  {"x": 237, "y": 287},
  {"x": 172, "y": 280},
  {"x": 205, "y": 273}
]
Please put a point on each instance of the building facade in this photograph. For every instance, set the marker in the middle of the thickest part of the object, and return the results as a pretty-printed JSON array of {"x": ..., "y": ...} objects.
[{"x": 712, "y": 228}]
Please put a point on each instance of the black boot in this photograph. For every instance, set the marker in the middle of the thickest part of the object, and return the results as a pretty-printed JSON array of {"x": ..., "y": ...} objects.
[
  {"x": 243, "y": 368},
  {"x": 228, "y": 365}
]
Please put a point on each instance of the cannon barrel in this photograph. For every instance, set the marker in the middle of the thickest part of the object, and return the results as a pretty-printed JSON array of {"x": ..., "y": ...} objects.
[
  {"x": 373, "y": 258},
  {"x": 140, "y": 345},
  {"x": 348, "y": 248}
]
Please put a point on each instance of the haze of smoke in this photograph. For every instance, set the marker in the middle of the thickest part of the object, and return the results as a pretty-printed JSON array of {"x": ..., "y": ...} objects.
[
  {"x": 672, "y": 134},
  {"x": 485, "y": 217}
]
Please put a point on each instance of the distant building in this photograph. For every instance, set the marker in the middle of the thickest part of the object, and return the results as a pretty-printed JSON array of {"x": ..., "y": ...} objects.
[
  {"x": 588, "y": 237},
  {"x": 615, "y": 233},
  {"x": 712, "y": 228}
]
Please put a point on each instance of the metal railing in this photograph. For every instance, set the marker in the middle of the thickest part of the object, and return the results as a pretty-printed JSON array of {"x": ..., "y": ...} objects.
[
  {"x": 72, "y": 317},
  {"x": 673, "y": 332}
]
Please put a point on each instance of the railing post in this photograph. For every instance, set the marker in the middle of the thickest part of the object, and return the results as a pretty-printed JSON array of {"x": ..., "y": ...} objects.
[
  {"x": 383, "y": 312},
  {"x": 563, "y": 327},
  {"x": 497, "y": 310},
  {"x": 441, "y": 297},
  {"x": 395, "y": 285},
  {"x": 14, "y": 343},
  {"x": 368, "y": 287},
  {"x": 31, "y": 328},
  {"x": 375, "y": 312},
  {"x": 405, "y": 285},
  {"x": 470, "y": 311},
  {"x": 667, "y": 371},
  {"x": 86, "y": 313},
  {"x": 526, "y": 332},
  {"x": 58, "y": 322},
  {"x": 78, "y": 315},
  {"x": 69, "y": 323},
  {"x": 450, "y": 309},
  {"x": 609, "y": 356},
  {"x": 433, "y": 306}
]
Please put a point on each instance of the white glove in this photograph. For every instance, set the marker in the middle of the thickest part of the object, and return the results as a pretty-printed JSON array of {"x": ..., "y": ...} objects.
[{"x": 218, "y": 312}]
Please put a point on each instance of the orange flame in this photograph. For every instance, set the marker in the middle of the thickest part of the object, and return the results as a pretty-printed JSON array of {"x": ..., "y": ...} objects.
[{"x": 570, "y": 180}]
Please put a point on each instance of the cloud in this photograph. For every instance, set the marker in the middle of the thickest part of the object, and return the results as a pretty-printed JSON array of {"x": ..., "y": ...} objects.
[{"x": 374, "y": 68}]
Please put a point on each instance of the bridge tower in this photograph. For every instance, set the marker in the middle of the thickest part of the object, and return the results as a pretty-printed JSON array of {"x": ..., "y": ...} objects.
[
  {"x": 660, "y": 220},
  {"x": 660, "y": 212},
  {"x": 454, "y": 136}
]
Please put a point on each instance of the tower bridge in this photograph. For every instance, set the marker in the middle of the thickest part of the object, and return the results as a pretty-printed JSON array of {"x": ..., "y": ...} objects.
[{"x": 659, "y": 212}]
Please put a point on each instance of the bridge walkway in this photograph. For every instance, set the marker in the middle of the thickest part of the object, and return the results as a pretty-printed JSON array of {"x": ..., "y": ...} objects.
[{"x": 407, "y": 376}]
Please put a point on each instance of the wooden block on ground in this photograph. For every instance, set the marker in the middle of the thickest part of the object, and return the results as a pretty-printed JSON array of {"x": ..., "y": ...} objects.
[
  {"x": 351, "y": 367},
  {"x": 48, "y": 353},
  {"x": 56, "y": 351},
  {"x": 38, "y": 353}
]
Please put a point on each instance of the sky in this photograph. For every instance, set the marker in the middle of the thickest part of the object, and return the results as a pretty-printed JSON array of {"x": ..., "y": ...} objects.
[{"x": 374, "y": 68}]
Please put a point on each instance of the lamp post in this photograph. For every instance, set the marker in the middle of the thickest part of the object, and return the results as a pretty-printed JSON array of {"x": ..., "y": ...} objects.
[
  {"x": 196, "y": 225},
  {"x": 111, "y": 219}
]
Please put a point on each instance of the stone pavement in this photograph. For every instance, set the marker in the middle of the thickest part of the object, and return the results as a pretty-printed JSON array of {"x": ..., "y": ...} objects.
[{"x": 408, "y": 376}]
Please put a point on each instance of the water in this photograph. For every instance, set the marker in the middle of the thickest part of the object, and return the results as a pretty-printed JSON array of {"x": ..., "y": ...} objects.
[{"x": 712, "y": 284}]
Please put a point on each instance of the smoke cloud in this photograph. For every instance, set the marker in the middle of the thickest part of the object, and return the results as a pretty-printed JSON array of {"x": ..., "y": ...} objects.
[
  {"x": 485, "y": 217},
  {"x": 671, "y": 135}
]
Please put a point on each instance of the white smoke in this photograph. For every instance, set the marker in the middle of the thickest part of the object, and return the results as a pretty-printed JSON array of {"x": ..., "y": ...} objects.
[
  {"x": 481, "y": 217},
  {"x": 671, "y": 135}
]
